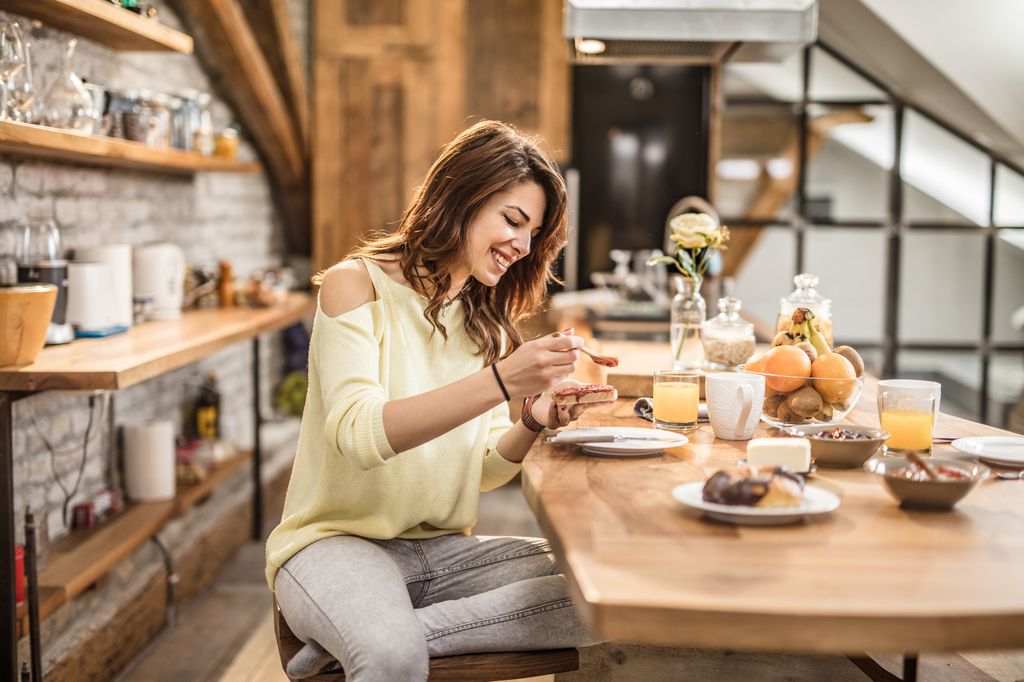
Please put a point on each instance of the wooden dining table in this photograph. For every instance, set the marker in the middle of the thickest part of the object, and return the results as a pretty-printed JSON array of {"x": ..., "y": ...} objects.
[{"x": 870, "y": 576}]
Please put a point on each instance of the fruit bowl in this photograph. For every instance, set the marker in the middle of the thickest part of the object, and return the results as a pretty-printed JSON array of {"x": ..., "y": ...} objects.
[{"x": 827, "y": 400}]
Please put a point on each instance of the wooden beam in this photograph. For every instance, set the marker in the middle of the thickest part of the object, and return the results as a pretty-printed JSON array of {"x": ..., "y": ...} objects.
[
  {"x": 773, "y": 193},
  {"x": 232, "y": 55},
  {"x": 275, "y": 34}
]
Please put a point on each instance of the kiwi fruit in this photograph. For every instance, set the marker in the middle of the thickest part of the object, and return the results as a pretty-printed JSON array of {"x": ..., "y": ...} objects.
[
  {"x": 771, "y": 405},
  {"x": 812, "y": 353},
  {"x": 854, "y": 357},
  {"x": 806, "y": 402}
]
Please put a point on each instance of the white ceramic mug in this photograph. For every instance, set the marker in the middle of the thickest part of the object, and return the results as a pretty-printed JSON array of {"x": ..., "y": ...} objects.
[{"x": 734, "y": 403}]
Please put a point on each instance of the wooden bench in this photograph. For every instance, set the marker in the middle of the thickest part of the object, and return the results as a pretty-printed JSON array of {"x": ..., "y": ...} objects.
[{"x": 477, "y": 667}]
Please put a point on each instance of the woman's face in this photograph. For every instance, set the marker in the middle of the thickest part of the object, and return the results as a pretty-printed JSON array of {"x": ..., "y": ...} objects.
[{"x": 500, "y": 233}]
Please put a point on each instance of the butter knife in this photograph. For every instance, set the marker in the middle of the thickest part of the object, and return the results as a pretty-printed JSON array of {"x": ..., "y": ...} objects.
[{"x": 577, "y": 438}]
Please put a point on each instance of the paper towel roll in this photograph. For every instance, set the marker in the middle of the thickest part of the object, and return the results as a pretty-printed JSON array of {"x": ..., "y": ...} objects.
[
  {"x": 89, "y": 305},
  {"x": 149, "y": 461},
  {"x": 119, "y": 256}
]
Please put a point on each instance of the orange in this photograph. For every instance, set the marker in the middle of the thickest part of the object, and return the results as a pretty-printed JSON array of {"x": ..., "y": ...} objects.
[
  {"x": 756, "y": 363},
  {"x": 829, "y": 368},
  {"x": 791, "y": 363}
]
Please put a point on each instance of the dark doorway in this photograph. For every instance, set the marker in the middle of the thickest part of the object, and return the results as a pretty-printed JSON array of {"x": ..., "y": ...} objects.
[{"x": 640, "y": 143}]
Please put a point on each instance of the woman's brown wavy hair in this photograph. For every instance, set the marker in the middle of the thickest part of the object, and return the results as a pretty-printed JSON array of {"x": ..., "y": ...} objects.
[{"x": 485, "y": 159}]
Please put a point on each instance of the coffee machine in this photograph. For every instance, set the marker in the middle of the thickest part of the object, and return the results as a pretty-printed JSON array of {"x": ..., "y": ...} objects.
[{"x": 40, "y": 259}]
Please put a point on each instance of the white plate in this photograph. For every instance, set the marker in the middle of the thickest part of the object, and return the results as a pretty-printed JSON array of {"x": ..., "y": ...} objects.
[
  {"x": 816, "y": 501},
  {"x": 633, "y": 448},
  {"x": 1000, "y": 450}
]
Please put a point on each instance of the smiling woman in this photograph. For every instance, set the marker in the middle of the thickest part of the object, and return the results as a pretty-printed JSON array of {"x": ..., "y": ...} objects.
[{"x": 414, "y": 356}]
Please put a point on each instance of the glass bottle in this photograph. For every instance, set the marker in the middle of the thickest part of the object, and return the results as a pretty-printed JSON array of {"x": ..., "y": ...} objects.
[
  {"x": 688, "y": 314},
  {"x": 805, "y": 296},
  {"x": 23, "y": 100},
  {"x": 204, "y": 143},
  {"x": 728, "y": 338},
  {"x": 12, "y": 60},
  {"x": 67, "y": 103}
]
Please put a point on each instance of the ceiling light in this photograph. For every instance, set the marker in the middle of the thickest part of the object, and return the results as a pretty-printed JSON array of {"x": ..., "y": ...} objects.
[{"x": 589, "y": 46}]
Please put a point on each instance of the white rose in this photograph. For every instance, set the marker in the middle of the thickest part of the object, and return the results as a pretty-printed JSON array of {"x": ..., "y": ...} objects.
[{"x": 693, "y": 230}]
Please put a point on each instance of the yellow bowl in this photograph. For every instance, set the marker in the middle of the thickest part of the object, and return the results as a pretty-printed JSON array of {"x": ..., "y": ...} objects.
[{"x": 25, "y": 312}]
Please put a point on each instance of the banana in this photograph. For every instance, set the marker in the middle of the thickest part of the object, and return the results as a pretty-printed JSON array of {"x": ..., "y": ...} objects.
[
  {"x": 782, "y": 339},
  {"x": 814, "y": 336}
]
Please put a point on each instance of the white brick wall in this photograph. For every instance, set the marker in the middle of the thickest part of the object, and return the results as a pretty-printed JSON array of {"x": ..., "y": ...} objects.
[{"x": 211, "y": 216}]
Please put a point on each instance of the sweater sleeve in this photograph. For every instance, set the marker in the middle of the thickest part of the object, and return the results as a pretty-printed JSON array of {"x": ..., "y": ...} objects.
[
  {"x": 497, "y": 471},
  {"x": 348, "y": 364}
]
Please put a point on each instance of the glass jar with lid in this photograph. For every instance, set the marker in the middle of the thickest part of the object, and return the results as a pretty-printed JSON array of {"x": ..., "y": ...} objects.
[
  {"x": 805, "y": 296},
  {"x": 161, "y": 132},
  {"x": 131, "y": 114},
  {"x": 728, "y": 338}
]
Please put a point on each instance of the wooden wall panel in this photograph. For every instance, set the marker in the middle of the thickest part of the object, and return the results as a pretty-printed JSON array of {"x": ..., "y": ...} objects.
[
  {"x": 396, "y": 80},
  {"x": 503, "y": 61}
]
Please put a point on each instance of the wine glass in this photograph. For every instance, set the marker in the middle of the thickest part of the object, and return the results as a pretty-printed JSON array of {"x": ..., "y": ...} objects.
[{"x": 12, "y": 59}]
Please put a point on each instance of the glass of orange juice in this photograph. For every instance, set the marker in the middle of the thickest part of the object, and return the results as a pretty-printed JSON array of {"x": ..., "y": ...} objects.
[
  {"x": 907, "y": 409},
  {"x": 676, "y": 395}
]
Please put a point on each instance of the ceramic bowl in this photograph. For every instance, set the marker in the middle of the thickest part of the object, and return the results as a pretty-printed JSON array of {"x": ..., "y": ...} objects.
[
  {"x": 840, "y": 454},
  {"x": 25, "y": 311},
  {"x": 928, "y": 494}
]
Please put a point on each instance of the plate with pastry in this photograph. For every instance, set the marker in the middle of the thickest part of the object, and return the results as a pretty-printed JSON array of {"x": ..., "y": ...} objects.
[{"x": 756, "y": 496}]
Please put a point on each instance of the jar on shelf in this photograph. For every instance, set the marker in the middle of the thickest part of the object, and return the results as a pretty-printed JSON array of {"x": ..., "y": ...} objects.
[
  {"x": 203, "y": 136},
  {"x": 132, "y": 115},
  {"x": 728, "y": 338},
  {"x": 226, "y": 144},
  {"x": 160, "y": 132},
  {"x": 805, "y": 296}
]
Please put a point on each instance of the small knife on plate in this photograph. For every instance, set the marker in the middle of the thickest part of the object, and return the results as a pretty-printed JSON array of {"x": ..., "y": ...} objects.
[{"x": 577, "y": 438}]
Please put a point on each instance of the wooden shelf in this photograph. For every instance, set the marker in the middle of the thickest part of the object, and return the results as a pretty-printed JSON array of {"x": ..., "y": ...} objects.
[
  {"x": 84, "y": 557},
  {"x": 52, "y": 144},
  {"x": 191, "y": 495},
  {"x": 150, "y": 349},
  {"x": 103, "y": 23}
]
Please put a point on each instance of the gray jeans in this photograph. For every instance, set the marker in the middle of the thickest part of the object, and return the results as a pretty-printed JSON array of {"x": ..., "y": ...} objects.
[{"x": 383, "y": 607}]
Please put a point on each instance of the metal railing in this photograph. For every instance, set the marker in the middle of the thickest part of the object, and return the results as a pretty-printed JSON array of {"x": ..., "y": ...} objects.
[{"x": 895, "y": 223}]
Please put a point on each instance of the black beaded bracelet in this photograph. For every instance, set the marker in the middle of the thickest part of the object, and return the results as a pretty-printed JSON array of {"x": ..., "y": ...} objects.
[{"x": 501, "y": 384}]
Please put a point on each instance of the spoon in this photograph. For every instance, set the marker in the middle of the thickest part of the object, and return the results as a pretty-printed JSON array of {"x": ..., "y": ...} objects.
[
  {"x": 603, "y": 360},
  {"x": 916, "y": 459}
]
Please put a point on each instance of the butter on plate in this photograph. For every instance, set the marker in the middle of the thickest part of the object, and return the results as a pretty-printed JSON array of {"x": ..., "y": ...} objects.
[{"x": 792, "y": 453}]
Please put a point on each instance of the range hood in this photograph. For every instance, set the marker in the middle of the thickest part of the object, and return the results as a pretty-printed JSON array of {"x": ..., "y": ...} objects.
[{"x": 688, "y": 31}]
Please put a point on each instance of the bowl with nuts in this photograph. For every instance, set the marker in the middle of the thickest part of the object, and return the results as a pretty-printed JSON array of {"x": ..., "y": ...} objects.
[{"x": 843, "y": 446}]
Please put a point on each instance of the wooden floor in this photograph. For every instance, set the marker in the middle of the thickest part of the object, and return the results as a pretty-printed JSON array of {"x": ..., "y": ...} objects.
[{"x": 227, "y": 635}]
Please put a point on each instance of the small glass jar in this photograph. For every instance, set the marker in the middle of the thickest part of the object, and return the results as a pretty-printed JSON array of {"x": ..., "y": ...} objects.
[
  {"x": 131, "y": 108},
  {"x": 160, "y": 133},
  {"x": 805, "y": 296},
  {"x": 203, "y": 135},
  {"x": 728, "y": 338},
  {"x": 226, "y": 146}
]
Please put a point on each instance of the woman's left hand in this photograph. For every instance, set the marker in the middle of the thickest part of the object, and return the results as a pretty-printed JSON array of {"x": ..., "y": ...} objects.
[{"x": 555, "y": 416}]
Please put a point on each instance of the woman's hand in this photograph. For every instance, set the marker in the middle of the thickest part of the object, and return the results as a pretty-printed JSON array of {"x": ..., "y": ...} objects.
[
  {"x": 539, "y": 364},
  {"x": 553, "y": 416}
]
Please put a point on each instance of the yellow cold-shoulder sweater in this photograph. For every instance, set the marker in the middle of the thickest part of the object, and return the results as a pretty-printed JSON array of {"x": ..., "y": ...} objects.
[{"x": 346, "y": 479}]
